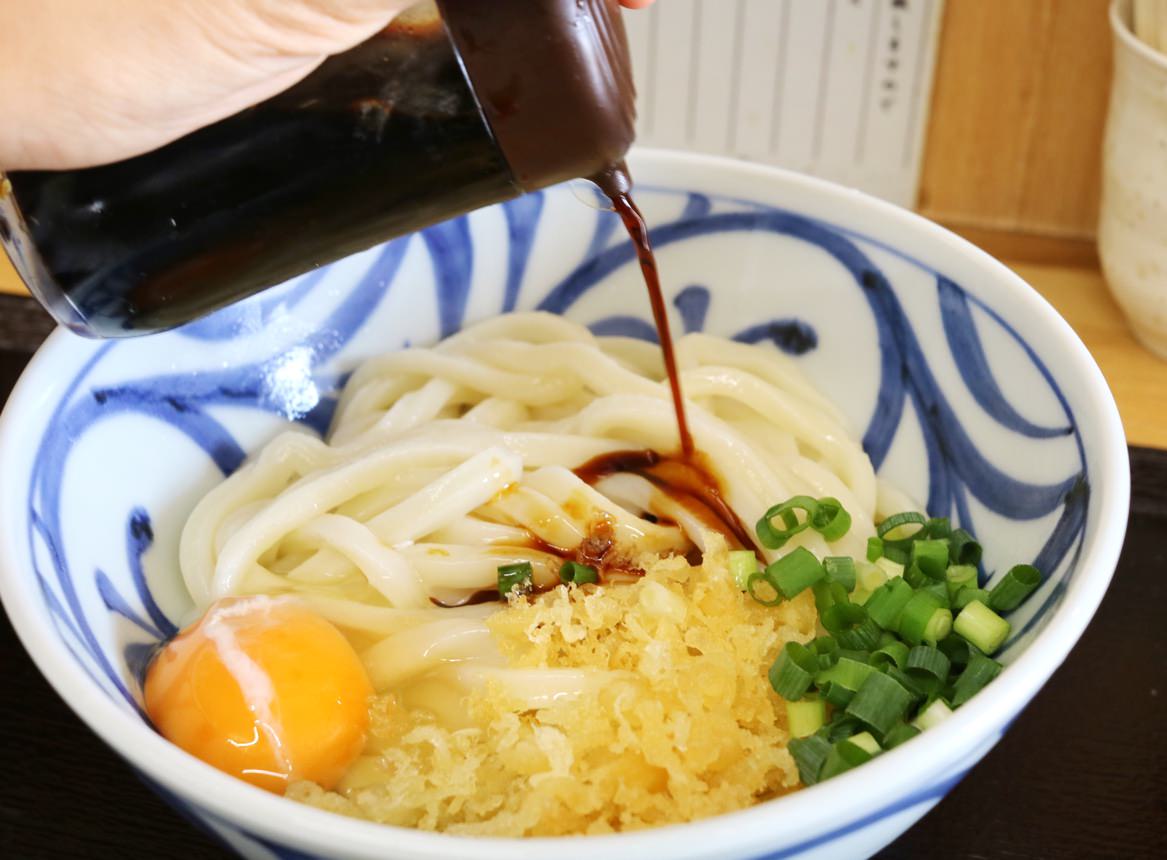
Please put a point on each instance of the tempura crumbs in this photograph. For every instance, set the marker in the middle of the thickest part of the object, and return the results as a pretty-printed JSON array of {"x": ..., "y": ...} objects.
[{"x": 685, "y": 727}]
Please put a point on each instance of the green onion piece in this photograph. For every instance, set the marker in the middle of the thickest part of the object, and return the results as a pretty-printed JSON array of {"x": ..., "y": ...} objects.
[
  {"x": 848, "y": 623},
  {"x": 1020, "y": 582},
  {"x": 929, "y": 661},
  {"x": 842, "y": 727},
  {"x": 967, "y": 595},
  {"x": 887, "y": 603},
  {"x": 827, "y": 594},
  {"x": 982, "y": 627},
  {"x": 847, "y": 672},
  {"x": 880, "y": 703},
  {"x": 840, "y": 569},
  {"x": 775, "y": 538},
  {"x": 896, "y": 555},
  {"x": 918, "y": 688},
  {"x": 938, "y": 527},
  {"x": 924, "y": 619},
  {"x": 843, "y": 756},
  {"x": 899, "y": 733},
  {"x": 915, "y": 577},
  {"x": 577, "y": 573},
  {"x": 827, "y": 651},
  {"x": 795, "y": 572},
  {"x": 870, "y": 576},
  {"x": 752, "y": 582},
  {"x": 805, "y": 717},
  {"x": 836, "y": 695},
  {"x": 742, "y": 563},
  {"x": 957, "y": 650},
  {"x": 894, "y": 653},
  {"x": 977, "y": 674},
  {"x": 897, "y": 527},
  {"x": 866, "y": 742},
  {"x": 874, "y": 549},
  {"x": 793, "y": 671},
  {"x": 963, "y": 548},
  {"x": 932, "y": 716},
  {"x": 830, "y": 519},
  {"x": 940, "y": 589},
  {"x": 931, "y": 556},
  {"x": 809, "y": 754},
  {"x": 515, "y": 577},
  {"x": 960, "y": 576}
]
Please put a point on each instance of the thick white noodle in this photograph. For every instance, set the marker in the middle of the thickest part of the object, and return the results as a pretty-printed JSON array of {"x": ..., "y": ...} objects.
[{"x": 445, "y": 463}]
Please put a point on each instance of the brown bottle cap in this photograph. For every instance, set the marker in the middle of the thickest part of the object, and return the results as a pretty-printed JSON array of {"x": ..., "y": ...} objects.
[{"x": 553, "y": 79}]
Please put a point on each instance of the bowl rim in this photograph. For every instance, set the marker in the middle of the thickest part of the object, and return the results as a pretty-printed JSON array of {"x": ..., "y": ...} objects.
[{"x": 957, "y": 743}]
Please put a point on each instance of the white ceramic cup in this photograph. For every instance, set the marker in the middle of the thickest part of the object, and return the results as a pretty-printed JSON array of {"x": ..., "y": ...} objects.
[{"x": 1132, "y": 231}]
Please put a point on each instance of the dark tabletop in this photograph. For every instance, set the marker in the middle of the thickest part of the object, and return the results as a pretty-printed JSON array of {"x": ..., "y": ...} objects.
[{"x": 1082, "y": 772}]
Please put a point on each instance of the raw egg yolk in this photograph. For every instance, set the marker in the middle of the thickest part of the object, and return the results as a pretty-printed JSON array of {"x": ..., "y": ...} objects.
[{"x": 263, "y": 689}]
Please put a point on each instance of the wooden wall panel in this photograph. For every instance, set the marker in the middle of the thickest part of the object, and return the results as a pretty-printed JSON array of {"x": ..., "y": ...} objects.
[{"x": 1018, "y": 109}]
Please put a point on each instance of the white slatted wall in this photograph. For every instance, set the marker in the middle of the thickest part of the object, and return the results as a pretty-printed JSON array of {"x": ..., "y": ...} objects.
[{"x": 838, "y": 88}]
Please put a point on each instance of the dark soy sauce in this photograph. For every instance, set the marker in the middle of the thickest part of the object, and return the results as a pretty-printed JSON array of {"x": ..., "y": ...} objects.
[{"x": 616, "y": 184}]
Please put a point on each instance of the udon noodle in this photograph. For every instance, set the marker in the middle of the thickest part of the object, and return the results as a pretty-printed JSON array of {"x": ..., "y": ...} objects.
[{"x": 444, "y": 464}]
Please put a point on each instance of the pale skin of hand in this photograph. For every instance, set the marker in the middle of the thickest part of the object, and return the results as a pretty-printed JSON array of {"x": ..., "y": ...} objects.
[{"x": 87, "y": 82}]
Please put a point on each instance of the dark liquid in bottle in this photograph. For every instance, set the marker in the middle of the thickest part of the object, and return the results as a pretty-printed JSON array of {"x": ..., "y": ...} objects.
[{"x": 380, "y": 141}]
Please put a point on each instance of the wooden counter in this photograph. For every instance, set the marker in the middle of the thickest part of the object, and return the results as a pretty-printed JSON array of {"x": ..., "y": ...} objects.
[{"x": 1138, "y": 378}]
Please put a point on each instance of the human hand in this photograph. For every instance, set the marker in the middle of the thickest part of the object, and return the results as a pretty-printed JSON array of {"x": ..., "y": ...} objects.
[{"x": 87, "y": 82}]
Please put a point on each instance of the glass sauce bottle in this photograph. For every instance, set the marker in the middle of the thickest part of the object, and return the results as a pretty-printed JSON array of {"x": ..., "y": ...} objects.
[{"x": 455, "y": 105}]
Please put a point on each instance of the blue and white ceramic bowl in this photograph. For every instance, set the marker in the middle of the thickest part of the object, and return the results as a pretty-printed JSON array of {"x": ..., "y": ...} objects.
[{"x": 968, "y": 390}]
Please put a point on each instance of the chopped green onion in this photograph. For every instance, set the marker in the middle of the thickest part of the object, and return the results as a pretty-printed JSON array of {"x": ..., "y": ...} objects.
[
  {"x": 887, "y": 603},
  {"x": 894, "y": 653},
  {"x": 1020, "y": 582},
  {"x": 840, "y": 569},
  {"x": 940, "y": 589},
  {"x": 977, "y": 674},
  {"x": 776, "y": 538},
  {"x": 960, "y": 576},
  {"x": 809, "y": 754},
  {"x": 752, "y": 582},
  {"x": 894, "y": 554},
  {"x": 795, "y": 572},
  {"x": 957, "y": 650},
  {"x": 842, "y": 727},
  {"x": 967, "y": 595},
  {"x": 836, "y": 695},
  {"x": 827, "y": 594},
  {"x": 929, "y": 661},
  {"x": 915, "y": 577},
  {"x": 931, "y": 556},
  {"x": 932, "y": 716},
  {"x": 918, "y": 688},
  {"x": 847, "y": 672},
  {"x": 924, "y": 619},
  {"x": 982, "y": 627},
  {"x": 830, "y": 519},
  {"x": 880, "y": 703},
  {"x": 897, "y": 527},
  {"x": 793, "y": 671},
  {"x": 892, "y": 567},
  {"x": 899, "y": 733},
  {"x": 742, "y": 563},
  {"x": 515, "y": 577},
  {"x": 870, "y": 576},
  {"x": 574, "y": 572},
  {"x": 963, "y": 548},
  {"x": 874, "y": 549},
  {"x": 843, "y": 756},
  {"x": 849, "y": 624},
  {"x": 938, "y": 527},
  {"x": 805, "y": 717},
  {"x": 866, "y": 742}
]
